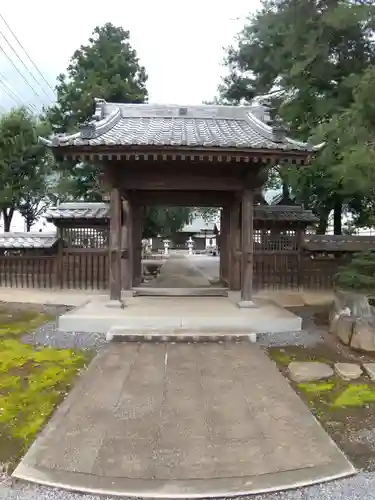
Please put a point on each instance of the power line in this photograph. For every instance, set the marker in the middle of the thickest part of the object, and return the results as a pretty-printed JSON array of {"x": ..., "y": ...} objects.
[
  {"x": 27, "y": 55},
  {"x": 24, "y": 65},
  {"x": 22, "y": 76},
  {"x": 13, "y": 95}
]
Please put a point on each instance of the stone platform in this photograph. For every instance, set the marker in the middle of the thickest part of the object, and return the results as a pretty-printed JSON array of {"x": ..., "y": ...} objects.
[
  {"x": 182, "y": 421},
  {"x": 179, "y": 315}
]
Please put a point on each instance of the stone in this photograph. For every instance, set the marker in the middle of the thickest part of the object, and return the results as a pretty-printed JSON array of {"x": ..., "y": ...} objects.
[
  {"x": 360, "y": 306},
  {"x": 308, "y": 371},
  {"x": 363, "y": 337},
  {"x": 369, "y": 370},
  {"x": 246, "y": 304},
  {"x": 348, "y": 371},
  {"x": 344, "y": 328},
  {"x": 357, "y": 303}
]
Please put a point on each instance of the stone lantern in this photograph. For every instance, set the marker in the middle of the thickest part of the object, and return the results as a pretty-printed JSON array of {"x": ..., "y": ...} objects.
[
  {"x": 190, "y": 244},
  {"x": 166, "y": 246}
]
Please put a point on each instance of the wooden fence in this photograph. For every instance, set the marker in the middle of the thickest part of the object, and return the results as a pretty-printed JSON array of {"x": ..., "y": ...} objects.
[
  {"x": 311, "y": 264},
  {"x": 28, "y": 271},
  {"x": 74, "y": 269}
]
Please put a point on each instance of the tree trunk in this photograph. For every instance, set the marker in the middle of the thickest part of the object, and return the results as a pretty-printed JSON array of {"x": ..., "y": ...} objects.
[
  {"x": 337, "y": 217},
  {"x": 29, "y": 223},
  {"x": 285, "y": 188},
  {"x": 323, "y": 223},
  {"x": 7, "y": 216}
]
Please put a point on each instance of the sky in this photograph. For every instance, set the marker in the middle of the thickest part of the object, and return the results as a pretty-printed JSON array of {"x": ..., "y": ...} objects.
[{"x": 180, "y": 43}]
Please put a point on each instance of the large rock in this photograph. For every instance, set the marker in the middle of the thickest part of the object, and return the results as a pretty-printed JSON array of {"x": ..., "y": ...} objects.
[
  {"x": 309, "y": 371},
  {"x": 369, "y": 370},
  {"x": 363, "y": 337},
  {"x": 348, "y": 371},
  {"x": 344, "y": 328},
  {"x": 357, "y": 303}
]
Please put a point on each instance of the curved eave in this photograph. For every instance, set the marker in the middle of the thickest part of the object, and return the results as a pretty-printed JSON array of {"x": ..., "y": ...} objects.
[
  {"x": 181, "y": 153},
  {"x": 266, "y": 131}
]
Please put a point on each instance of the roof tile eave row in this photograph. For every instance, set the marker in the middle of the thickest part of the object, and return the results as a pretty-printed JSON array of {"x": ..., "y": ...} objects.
[
  {"x": 100, "y": 211},
  {"x": 218, "y": 127}
]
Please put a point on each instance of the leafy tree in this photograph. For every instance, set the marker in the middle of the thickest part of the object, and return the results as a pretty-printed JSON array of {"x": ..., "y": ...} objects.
[
  {"x": 24, "y": 166},
  {"x": 308, "y": 58},
  {"x": 107, "y": 67},
  {"x": 165, "y": 222}
]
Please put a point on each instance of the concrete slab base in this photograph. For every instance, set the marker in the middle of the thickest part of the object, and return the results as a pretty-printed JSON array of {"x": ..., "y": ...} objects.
[
  {"x": 145, "y": 291},
  {"x": 120, "y": 334},
  {"x": 177, "y": 315},
  {"x": 246, "y": 304},
  {"x": 182, "y": 421}
]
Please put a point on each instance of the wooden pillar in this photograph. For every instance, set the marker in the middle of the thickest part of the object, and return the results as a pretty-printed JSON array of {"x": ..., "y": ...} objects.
[
  {"x": 221, "y": 246},
  {"x": 126, "y": 246},
  {"x": 234, "y": 272},
  {"x": 137, "y": 244},
  {"x": 224, "y": 243},
  {"x": 247, "y": 248},
  {"x": 115, "y": 245}
]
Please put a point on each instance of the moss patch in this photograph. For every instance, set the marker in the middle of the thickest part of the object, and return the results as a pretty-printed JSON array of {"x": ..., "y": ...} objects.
[
  {"x": 316, "y": 387},
  {"x": 285, "y": 355},
  {"x": 355, "y": 395},
  {"x": 32, "y": 381}
]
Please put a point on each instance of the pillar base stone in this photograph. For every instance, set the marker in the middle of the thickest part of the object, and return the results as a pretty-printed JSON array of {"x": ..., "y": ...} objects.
[
  {"x": 246, "y": 304},
  {"x": 115, "y": 304}
]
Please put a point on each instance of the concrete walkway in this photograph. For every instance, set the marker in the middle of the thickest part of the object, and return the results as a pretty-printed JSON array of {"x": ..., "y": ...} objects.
[
  {"x": 182, "y": 420},
  {"x": 180, "y": 272}
]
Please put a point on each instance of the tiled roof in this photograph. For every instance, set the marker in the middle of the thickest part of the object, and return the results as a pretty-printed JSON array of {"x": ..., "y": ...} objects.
[
  {"x": 204, "y": 126},
  {"x": 284, "y": 213},
  {"x": 27, "y": 240},
  {"x": 78, "y": 210},
  {"x": 338, "y": 243},
  {"x": 280, "y": 199}
]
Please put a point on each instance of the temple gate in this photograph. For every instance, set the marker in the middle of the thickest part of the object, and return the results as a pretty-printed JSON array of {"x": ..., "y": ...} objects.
[{"x": 215, "y": 156}]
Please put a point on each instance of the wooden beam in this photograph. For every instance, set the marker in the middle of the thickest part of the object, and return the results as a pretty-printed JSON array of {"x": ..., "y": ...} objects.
[
  {"x": 115, "y": 245},
  {"x": 183, "y": 198},
  {"x": 247, "y": 247},
  {"x": 179, "y": 181}
]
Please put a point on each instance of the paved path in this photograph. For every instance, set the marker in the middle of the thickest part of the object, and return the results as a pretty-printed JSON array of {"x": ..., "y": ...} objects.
[
  {"x": 179, "y": 271},
  {"x": 184, "y": 420}
]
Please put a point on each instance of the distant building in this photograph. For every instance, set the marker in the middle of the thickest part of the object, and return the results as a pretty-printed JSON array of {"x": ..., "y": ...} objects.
[{"x": 202, "y": 232}]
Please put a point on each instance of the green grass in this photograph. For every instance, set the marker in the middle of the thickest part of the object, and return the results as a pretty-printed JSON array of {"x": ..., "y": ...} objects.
[{"x": 32, "y": 382}]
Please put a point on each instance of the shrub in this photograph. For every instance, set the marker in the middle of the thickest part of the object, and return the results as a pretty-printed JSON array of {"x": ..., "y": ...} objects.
[{"x": 359, "y": 274}]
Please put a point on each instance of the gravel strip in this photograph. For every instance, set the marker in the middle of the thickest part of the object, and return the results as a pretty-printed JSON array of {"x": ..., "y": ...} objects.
[
  {"x": 49, "y": 335},
  {"x": 304, "y": 338},
  {"x": 359, "y": 487}
]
